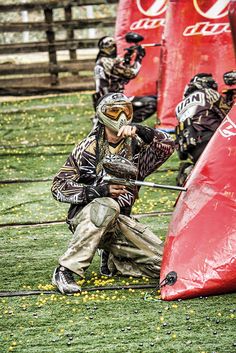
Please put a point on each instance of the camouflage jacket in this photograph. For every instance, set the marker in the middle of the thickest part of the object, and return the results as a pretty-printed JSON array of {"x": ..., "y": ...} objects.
[
  {"x": 206, "y": 108},
  {"x": 149, "y": 149},
  {"x": 111, "y": 75}
]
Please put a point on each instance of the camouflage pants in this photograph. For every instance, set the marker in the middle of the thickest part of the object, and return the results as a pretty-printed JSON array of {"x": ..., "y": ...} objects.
[{"x": 133, "y": 249}]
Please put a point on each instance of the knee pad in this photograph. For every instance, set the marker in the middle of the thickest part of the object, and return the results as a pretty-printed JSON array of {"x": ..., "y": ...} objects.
[{"x": 103, "y": 211}]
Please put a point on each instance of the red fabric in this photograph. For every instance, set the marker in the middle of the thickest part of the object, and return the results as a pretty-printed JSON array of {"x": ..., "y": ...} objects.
[
  {"x": 201, "y": 241},
  {"x": 232, "y": 21},
  {"x": 147, "y": 18},
  {"x": 197, "y": 38}
]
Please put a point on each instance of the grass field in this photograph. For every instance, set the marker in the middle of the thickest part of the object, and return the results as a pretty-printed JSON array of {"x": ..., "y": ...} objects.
[{"x": 36, "y": 137}]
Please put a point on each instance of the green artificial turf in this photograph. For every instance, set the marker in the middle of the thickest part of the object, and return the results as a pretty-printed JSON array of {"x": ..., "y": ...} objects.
[{"x": 116, "y": 322}]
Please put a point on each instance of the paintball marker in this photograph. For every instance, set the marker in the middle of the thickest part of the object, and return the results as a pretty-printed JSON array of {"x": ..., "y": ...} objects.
[
  {"x": 132, "y": 37},
  {"x": 130, "y": 182},
  {"x": 121, "y": 172}
]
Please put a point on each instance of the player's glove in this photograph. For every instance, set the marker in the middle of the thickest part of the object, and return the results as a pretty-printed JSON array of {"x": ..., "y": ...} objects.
[{"x": 140, "y": 53}]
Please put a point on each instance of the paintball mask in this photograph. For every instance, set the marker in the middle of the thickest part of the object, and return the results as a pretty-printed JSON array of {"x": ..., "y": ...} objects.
[
  {"x": 200, "y": 81},
  {"x": 230, "y": 78},
  {"x": 107, "y": 45},
  {"x": 114, "y": 110}
]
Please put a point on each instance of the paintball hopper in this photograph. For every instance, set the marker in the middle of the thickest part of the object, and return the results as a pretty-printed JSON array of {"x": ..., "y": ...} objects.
[
  {"x": 230, "y": 78},
  {"x": 119, "y": 167},
  {"x": 132, "y": 37}
]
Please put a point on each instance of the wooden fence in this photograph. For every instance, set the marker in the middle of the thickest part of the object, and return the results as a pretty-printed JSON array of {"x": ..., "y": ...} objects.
[{"x": 53, "y": 75}]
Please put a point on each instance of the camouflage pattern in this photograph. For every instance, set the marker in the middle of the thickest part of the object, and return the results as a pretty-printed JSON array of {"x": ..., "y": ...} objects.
[
  {"x": 111, "y": 75},
  {"x": 133, "y": 249}
]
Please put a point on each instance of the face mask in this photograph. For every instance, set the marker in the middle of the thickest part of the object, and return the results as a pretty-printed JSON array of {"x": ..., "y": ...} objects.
[{"x": 115, "y": 125}]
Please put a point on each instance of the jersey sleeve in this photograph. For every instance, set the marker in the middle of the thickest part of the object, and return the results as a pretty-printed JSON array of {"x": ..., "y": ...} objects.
[
  {"x": 67, "y": 185},
  {"x": 155, "y": 153}
]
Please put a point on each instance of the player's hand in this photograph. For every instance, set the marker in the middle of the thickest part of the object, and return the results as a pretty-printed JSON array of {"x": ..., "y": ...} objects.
[
  {"x": 140, "y": 51},
  {"x": 127, "y": 131},
  {"x": 117, "y": 190}
]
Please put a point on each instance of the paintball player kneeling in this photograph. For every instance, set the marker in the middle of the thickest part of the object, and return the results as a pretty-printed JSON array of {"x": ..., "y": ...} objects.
[{"x": 99, "y": 215}]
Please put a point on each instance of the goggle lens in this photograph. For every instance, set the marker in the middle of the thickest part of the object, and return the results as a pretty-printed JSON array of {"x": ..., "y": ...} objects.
[{"x": 114, "y": 111}]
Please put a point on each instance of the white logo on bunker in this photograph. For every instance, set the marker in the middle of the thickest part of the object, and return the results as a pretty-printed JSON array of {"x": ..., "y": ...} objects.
[{"x": 156, "y": 8}]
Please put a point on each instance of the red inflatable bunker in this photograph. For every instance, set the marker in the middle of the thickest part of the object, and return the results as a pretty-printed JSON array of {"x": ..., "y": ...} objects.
[{"x": 201, "y": 241}]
